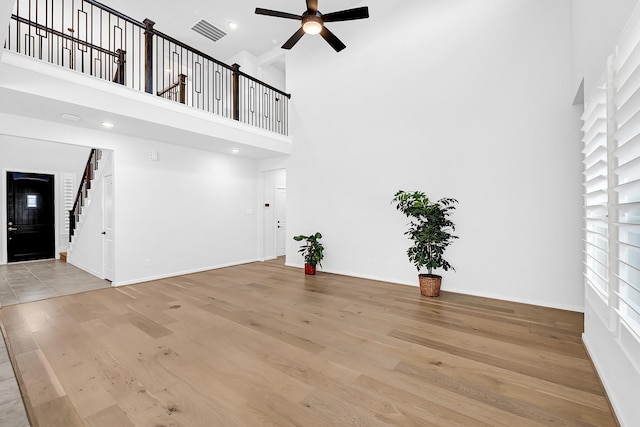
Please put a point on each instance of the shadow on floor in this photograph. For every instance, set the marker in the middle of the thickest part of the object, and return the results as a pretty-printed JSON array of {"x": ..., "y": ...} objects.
[{"x": 33, "y": 281}]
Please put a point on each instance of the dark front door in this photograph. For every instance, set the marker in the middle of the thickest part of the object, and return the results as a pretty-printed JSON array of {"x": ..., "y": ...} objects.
[{"x": 30, "y": 216}]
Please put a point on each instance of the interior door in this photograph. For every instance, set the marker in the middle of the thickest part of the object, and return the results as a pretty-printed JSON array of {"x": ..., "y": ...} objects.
[
  {"x": 107, "y": 216},
  {"x": 281, "y": 221},
  {"x": 30, "y": 216}
]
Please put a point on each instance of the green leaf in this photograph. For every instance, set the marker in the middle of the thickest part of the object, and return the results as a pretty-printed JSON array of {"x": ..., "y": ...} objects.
[
  {"x": 430, "y": 228},
  {"x": 312, "y": 250}
]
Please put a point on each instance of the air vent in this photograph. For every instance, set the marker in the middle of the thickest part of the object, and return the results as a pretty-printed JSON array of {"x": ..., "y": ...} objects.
[{"x": 208, "y": 30}]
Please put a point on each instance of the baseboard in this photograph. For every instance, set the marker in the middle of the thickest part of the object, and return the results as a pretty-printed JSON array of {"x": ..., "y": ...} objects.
[
  {"x": 566, "y": 307},
  {"x": 82, "y": 267},
  {"x": 181, "y": 273},
  {"x": 579, "y": 309}
]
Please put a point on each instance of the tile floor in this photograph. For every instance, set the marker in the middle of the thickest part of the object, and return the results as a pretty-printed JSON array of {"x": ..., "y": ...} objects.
[{"x": 33, "y": 281}]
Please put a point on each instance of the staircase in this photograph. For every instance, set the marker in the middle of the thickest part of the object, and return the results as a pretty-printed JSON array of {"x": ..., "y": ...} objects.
[{"x": 82, "y": 197}]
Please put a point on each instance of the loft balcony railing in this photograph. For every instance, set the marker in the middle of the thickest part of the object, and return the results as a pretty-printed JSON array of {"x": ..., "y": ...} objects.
[{"x": 92, "y": 38}]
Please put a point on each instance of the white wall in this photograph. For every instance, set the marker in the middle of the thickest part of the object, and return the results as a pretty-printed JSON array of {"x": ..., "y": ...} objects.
[
  {"x": 473, "y": 103},
  {"x": 273, "y": 76},
  {"x": 597, "y": 25},
  {"x": 6, "y": 6},
  {"x": 250, "y": 64},
  {"x": 191, "y": 210},
  {"x": 29, "y": 155}
]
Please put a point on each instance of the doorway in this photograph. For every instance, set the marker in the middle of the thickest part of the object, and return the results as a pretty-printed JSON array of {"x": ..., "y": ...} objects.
[
  {"x": 274, "y": 225},
  {"x": 30, "y": 216},
  {"x": 108, "y": 224},
  {"x": 281, "y": 221}
]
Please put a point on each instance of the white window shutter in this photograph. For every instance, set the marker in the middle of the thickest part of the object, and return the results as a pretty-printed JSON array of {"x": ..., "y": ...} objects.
[
  {"x": 596, "y": 192},
  {"x": 625, "y": 180},
  {"x": 69, "y": 191}
]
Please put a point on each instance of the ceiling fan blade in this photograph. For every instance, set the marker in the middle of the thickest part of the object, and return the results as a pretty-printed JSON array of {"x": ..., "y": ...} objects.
[
  {"x": 347, "y": 15},
  {"x": 293, "y": 39},
  {"x": 312, "y": 5},
  {"x": 332, "y": 39},
  {"x": 261, "y": 11}
]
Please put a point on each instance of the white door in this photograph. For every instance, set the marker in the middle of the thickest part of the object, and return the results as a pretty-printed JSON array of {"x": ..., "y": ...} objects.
[
  {"x": 107, "y": 216},
  {"x": 281, "y": 221}
]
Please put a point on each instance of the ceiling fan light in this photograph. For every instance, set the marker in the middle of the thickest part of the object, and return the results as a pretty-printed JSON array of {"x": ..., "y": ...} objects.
[{"x": 312, "y": 25}]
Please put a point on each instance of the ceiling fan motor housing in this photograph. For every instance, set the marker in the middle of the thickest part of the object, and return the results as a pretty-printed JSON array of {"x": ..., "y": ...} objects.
[{"x": 312, "y": 23}]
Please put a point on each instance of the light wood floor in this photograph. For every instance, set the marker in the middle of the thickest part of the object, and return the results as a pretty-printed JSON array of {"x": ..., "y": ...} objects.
[{"x": 261, "y": 344}]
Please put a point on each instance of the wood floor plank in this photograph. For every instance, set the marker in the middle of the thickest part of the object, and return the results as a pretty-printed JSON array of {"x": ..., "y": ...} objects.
[
  {"x": 522, "y": 408},
  {"x": 111, "y": 416},
  {"x": 575, "y": 378},
  {"x": 20, "y": 337},
  {"x": 59, "y": 412},
  {"x": 263, "y": 344},
  {"x": 38, "y": 378}
]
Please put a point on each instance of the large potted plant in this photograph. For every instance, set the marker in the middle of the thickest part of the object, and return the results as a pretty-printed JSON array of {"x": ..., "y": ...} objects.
[
  {"x": 430, "y": 230},
  {"x": 312, "y": 251}
]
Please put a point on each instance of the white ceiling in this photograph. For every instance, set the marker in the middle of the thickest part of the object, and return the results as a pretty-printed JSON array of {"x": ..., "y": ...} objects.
[{"x": 255, "y": 34}]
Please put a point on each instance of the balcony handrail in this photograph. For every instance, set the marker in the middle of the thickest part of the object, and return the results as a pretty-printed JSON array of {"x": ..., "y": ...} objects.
[
  {"x": 172, "y": 86},
  {"x": 110, "y": 45},
  {"x": 267, "y": 85},
  {"x": 185, "y": 46},
  {"x": 220, "y": 63},
  {"x": 177, "y": 88},
  {"x": 116, "y": 13},
  {"x": 63, "y": 35}
]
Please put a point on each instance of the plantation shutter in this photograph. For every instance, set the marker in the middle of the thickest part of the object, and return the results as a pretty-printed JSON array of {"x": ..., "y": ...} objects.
[
  {"x": 595, "y": 192},
  {"x": 611, "y": 126},
  {"x": 68, "y": 197},
  {"x": 625, "y": 182}
]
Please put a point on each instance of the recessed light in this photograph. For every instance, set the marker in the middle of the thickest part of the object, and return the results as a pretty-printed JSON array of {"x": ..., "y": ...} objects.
[
  {"x": 107, "y": 125},
  {"x": 70, "y": 117},
  {"x": 235, "y": 151},
  {"x": 233, "y": 25}
]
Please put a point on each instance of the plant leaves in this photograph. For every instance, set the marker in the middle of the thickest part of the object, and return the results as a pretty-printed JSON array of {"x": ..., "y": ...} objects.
[{"x": 430, "y": 228}]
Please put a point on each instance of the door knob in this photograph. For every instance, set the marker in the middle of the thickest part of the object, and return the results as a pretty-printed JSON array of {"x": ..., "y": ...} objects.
[{"x": 12, "y": 229}]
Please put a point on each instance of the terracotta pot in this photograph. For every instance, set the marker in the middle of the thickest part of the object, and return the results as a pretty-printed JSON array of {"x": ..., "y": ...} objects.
[
  {"x": 309, "y": 269},
  {"x": 430, "y": 284}
]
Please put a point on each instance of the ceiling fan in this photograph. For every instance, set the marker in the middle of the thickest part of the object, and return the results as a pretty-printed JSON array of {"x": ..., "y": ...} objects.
[{"x": 313, "y": 22}]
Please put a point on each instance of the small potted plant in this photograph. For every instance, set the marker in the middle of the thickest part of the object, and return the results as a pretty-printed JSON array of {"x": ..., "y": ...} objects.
[
  {"x": 312, "y": 251},
  {"x": 430, "y": 230}
]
